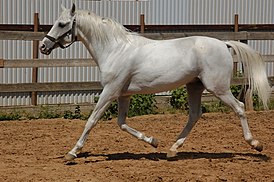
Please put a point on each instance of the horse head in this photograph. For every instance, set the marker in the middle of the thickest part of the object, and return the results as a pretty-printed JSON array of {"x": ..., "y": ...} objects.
[{"x": 63, "y": 32}]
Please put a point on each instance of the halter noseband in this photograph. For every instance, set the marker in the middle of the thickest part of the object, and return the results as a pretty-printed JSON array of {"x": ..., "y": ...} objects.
[{"x": 69, "y": 32}]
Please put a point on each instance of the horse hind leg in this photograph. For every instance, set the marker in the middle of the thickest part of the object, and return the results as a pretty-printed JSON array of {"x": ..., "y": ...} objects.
[
  {"x": 194, "y": 90},
  {"x": 238, "y": 108},
  {"x": 123, "y": 106}
]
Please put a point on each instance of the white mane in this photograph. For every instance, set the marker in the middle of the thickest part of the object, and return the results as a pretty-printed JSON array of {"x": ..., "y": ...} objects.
[{"x": 103, "y": 29}]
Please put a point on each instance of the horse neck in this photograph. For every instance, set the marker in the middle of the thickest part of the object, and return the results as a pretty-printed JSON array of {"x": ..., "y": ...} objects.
[{"x": 100, "y": 47}]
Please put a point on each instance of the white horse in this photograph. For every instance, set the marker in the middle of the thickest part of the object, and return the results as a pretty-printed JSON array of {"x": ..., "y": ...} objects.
[{"x": 132, "y": 64}]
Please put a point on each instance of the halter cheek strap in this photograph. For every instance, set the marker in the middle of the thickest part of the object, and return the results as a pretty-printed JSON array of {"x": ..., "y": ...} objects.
[{"x": 69, "y": 32}]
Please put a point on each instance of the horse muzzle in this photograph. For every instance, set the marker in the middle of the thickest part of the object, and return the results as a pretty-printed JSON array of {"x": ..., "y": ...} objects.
[{"x": 46, "y": 49}]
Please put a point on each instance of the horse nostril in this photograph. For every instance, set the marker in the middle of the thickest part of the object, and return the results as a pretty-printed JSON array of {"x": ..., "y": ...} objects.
[{"x": 43, "y": 46}]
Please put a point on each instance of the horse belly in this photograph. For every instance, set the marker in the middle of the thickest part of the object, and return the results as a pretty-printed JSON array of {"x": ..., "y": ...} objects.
[
  {"x": 156, "y": 88},
  {"x": 145, "y": 83}
]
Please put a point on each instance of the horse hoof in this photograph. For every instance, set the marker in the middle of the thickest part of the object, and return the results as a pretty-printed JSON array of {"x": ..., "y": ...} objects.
[
  {"x": 154, "y": 142},
  {"x": 256, "y": 145},
  {"x": 69, "y": 157},
  {"x": 259, "y": 147},
  {"x": 171, "y": 154}
]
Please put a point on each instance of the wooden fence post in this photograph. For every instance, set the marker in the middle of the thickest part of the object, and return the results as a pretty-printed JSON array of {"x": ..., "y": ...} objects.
[
  {"x": 142, "y": 23},
  {"x": 35, "y": 56},
  {"x": 246, "y": 89},
  {"x": 236, "y": 29}
]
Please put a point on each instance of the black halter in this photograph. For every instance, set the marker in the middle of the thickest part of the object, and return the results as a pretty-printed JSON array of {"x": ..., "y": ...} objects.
[{"x": 69, "y": 32}]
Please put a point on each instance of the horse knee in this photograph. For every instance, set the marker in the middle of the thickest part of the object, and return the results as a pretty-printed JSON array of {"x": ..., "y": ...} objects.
[{"x": 90, "y": 124}]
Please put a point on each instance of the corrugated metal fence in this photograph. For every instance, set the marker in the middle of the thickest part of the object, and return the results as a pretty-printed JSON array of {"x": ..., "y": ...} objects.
[{"x": 126, "y": 12}]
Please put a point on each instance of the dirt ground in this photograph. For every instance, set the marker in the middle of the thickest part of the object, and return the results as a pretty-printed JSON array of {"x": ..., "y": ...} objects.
[{"x": 214, "y": 151}]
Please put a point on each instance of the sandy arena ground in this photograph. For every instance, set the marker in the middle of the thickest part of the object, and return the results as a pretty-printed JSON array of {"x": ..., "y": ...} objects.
[{"x": 214, "y": 151}]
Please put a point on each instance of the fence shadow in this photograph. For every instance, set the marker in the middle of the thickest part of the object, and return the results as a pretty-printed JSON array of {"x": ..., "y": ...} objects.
[{"x": 180, "y": 156}]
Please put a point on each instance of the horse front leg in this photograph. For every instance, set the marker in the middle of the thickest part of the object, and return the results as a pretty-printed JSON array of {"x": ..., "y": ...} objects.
[
  {"x": 123, "y": 106},
  {"x": 104, "y": 101}
]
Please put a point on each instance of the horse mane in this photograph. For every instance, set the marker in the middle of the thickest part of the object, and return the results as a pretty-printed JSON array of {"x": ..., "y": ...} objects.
[{"x": 91, "y": 23}]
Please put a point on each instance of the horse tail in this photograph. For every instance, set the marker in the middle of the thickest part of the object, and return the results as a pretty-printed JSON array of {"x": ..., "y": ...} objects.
[{"x": 253, "y": 69}]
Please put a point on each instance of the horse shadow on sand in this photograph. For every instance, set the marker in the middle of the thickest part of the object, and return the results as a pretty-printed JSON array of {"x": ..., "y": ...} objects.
[{"x": 91, "y": 158}]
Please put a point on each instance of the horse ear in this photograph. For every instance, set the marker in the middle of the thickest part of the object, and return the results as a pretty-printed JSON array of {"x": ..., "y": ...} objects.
[
  {"x": 72, "y": 11},
  {"x": 63, "y": 7}
]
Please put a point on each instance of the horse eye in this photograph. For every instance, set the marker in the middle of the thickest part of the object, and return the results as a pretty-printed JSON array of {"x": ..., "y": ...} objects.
[{"x": 61, "y": 25}]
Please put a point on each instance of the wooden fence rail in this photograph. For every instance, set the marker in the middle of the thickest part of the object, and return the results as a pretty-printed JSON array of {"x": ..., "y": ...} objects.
[
  {"x": 51, "y": 87},
  {"x": 28, "y": 63},
  {"x": 161, "y": 28},
  {"x": 82, "y": 62},
  {"x": 75, "y": 86}
]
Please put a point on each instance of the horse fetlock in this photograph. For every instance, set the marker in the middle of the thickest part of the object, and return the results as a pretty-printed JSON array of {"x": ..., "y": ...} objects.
[
  {"x": 256, "y": 145},
  {"x": 70, "y": 157},
  {"x": 154, "y": 142}
]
